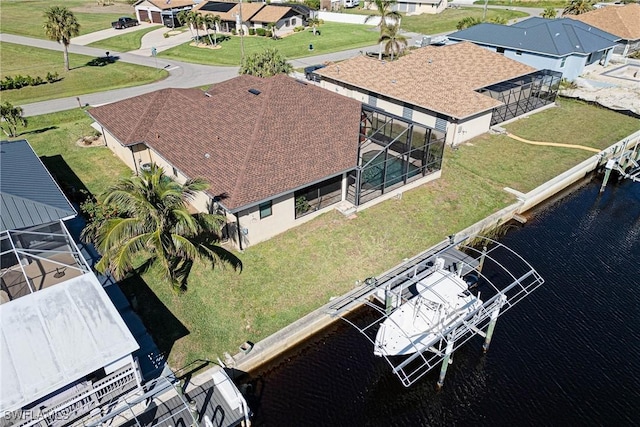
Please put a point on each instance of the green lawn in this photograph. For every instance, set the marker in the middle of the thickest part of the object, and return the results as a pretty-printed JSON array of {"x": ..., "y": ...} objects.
[
  {"x": 81, "y": 79},
  {"x": 448, "y": 19},
  {"x": 124, "y": 42},
  {"x": 298, "y": 271},
  {"x": 445, "y": 21},
  {"x": 24, "y": 18},
  {"x": 334, "y": 37}
]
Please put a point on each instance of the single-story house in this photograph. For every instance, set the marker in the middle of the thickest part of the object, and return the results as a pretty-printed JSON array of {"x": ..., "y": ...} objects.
[
  {"x": 459, "y": 89},
  {"x": 564, "y": 45},
  {"x": 276, "y": 152},
  {"x": 414, "y": 7},
  {"x": 65, "y": 349},
  {"x": 255, "y": 15},
  {"x": 163, "y": 12},
  {"x": 622, "y": 21}
]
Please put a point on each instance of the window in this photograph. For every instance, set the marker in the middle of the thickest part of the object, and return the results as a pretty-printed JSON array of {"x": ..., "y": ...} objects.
[
  {"x": 518, "y": 52},
  {"x": 293, "y": 21},
  {"x": 500, "y": 50},
  {"x": 562, "y": 62},
  {"x": 265, "y": 209}
]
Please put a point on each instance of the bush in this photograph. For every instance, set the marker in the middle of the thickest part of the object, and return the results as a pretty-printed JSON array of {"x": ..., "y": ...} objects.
[
  {"x": 252, "y": 31},
  {"x": 268, "y": 33},
  {"x": 165, "y": 35},
  {"x": 261, "y": 32},
  {"x": 233, "y": 31},
  {"x": 20, "y": 81},
  {"x": 52, "y": 77},
  {"x": 298, "y": 29}
]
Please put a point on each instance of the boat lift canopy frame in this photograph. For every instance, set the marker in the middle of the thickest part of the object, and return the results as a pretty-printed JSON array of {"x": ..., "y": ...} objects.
[{"x": 482, "y": 260}]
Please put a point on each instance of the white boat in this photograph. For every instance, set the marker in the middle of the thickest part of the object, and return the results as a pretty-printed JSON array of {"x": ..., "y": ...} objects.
[{"x": 439, "y": 300}]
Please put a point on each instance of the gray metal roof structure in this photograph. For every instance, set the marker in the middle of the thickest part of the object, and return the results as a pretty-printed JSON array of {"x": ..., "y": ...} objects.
[
  {"x": 58, "y": 335},
  {"x": 554, "y": 37},
  {"x": 28, "y": 193}
]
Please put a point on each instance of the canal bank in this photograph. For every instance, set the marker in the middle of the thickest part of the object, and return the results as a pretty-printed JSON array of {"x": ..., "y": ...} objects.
[{"x": 252, "y": 356}]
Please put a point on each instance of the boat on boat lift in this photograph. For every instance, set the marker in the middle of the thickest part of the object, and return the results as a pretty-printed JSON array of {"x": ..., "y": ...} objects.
[{"x": 438, "y": 301}]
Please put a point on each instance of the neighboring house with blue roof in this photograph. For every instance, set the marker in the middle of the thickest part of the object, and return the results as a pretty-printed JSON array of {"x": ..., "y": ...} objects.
[{"x": 565, "y": 45}]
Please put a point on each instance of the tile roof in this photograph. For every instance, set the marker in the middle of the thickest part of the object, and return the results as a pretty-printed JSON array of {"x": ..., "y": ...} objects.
[
  {"x": 440, "y": 79},
  {"x": 555, "y": 37},
  {"x": 28, "y": 193},
  {"x": 289, "y": 135},
  {"x": 270, "y": 14},
  {"x": 623, "y": 21}
]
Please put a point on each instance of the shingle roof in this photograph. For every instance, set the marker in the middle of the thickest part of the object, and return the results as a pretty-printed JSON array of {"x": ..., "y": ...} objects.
[
  {"x": 289, "y": 135},
  {"x": 270, "y": 14},
  {"x": 555, "y": 37},
  {"x": 172, "y": 4},
  {"x": 28, "y": 194},
  {"x": 440, "y": 79},
  {"x": 623, "y": 21}
]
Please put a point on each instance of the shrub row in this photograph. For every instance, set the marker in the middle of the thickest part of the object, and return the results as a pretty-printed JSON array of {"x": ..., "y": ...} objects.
[{"x": 16, "y": 82}]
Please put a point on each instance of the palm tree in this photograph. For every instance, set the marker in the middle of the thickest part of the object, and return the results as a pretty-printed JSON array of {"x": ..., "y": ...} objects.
[
  {"x": 387, "y": 17},
  {"x": 392, "y": 40},
  {"x": 549, "y": 13},
  {"x": 193, "y": 19},
  {"x": 153, "y": 222},
  {"x": 12, "y": 117},
  {"x": 467, "y": 22},
  {"x": 265, "y": 64},
  {"x": 212, "y": 21},
  {"x": 578, "y": 7},
  {"x": 60, "y": 24}
]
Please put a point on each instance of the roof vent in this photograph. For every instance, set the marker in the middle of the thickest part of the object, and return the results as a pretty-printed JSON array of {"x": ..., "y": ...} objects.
[
  {"x": 207, "y": 94},
  {"x": 207, "y": 155},
  {"x": 254, "y": 91}
]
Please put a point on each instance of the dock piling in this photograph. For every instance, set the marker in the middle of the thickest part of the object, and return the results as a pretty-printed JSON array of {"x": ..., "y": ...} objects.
[
  {"x": 492, "y": 323},
  {"x": 446, "y": 360}
]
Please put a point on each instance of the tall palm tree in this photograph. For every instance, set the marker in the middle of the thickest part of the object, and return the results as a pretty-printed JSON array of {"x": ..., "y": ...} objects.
[
  {"x": 60, "y": 24},
  {"x": 392, "y": 40},
  {"x": 212, "y": 21},
  {"x": 577, "y": 7},
  {"x": 153, "y": 222},
  {"x": 193, "y": 19},
  {"x": 387, "y": 17}
]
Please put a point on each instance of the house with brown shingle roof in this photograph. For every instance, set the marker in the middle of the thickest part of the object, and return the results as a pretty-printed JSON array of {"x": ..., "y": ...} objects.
[
  {"x": 162, "y": 11},
  {"x": 276, "y": 152},
  {"x": 254, "y": 15},
  {"x": 622, "y": 21},
  {"x": 460, "y": 89}
]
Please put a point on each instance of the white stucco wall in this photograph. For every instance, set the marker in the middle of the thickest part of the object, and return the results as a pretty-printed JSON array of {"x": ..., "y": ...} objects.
[{"x": 464, "y": 130}]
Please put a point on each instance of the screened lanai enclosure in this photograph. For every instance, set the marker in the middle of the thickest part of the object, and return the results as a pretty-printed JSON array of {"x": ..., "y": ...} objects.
[
  {"x": 523, "y": 94},
  {"x": 393, "y": 151}
]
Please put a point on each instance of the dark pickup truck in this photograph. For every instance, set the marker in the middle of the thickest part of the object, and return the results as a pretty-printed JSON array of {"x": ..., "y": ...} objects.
[{"x": 124, "y": 22}]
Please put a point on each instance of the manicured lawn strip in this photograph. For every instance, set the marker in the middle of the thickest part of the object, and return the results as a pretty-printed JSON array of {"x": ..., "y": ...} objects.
[
  {"x": 526, "y": 3},
  {"x": 447, "y": 20},
  {"x": 572, "y": 122},
  {"x": 124, "y": 42},
  {"x": 298, "y": 271},
  {"x": 334, "y": 37},
  {"x": 54, "y": 136},
  {"x": 81, "y": 79},
  {"x": 25, "y": 18},
  {"x": 442, "y": 22}
]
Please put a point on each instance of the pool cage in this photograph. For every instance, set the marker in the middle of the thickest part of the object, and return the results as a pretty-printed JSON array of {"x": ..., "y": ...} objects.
[
  {"x": 393, "y": 151},
  {"x": 523, "y": 94}
]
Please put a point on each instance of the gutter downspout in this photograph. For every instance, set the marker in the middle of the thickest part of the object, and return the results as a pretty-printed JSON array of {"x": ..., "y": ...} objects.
[{"x": 239, "y": 233}]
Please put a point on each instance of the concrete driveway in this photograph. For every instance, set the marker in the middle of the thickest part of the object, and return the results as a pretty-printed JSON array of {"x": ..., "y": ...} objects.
[{"x": 108, "y": 33}]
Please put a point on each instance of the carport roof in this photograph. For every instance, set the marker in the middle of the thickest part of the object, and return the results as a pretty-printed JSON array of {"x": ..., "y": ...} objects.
[
  {"x": 249, "y": 147},
  {"x": 440, "y": 79}
]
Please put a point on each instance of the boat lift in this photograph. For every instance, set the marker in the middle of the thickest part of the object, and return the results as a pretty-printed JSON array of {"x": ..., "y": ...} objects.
[
  {"x": 501, "y": 276},
  {"x": 627, "y": 164}
]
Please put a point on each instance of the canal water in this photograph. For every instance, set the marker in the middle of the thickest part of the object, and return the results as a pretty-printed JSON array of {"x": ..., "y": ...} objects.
[{"x": 569, "y": 355}]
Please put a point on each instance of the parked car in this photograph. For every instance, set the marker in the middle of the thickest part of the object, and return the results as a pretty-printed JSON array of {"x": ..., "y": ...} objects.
[
  {"x": 309, "y": 72},
  {"x": 124, "y": 22}
]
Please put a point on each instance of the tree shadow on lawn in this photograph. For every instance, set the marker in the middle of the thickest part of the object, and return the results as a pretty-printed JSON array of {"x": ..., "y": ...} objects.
[
  {"x": 71, "y": 185},
  {"x": 100, "y": 61},
  {"x": 162, "y": 325},
  {"x": 37, "y": 131}
]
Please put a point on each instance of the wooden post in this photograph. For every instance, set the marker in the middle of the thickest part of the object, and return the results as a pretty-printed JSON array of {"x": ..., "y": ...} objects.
[{"x": 446, "y": 360}]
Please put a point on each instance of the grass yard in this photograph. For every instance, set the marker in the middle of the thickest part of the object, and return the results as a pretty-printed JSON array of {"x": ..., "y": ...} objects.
[
  {"x": 124, "y": 42},
  {"x": 572, "y": 122},
  {"x": 445, "y": 21},
  {"x": 24, "y": 18},
  {"x": 81, "y": 79},
  {"x": 298, "y": 271},
  {"x": 334, "y": 38},
  {"x": 54, "y": 136}
]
